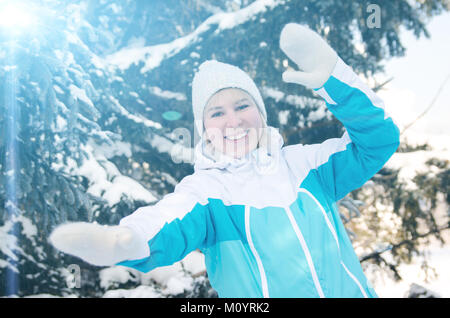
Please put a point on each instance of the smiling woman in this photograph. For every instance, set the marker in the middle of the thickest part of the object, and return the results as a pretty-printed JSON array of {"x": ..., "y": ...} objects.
[
  {"x": 229, "y": 111},
  {"x": 232, "y": 122}
]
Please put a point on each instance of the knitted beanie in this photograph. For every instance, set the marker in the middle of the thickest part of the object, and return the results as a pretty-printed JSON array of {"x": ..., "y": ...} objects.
[{"x": 213, "y": 76}]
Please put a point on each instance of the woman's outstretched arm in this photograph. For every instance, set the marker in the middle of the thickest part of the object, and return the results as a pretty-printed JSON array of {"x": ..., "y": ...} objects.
[{"x": 152, "y": 236}]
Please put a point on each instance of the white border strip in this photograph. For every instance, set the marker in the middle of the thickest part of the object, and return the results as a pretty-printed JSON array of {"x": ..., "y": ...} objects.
[
  {"x": 306, "y": 251},
  {"x": 324, "y": 94},
  {"x": 262, "y": 273}
]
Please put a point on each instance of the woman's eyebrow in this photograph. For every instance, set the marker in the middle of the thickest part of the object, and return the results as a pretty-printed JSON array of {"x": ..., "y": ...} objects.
[
  {"x": 213, "y": 108},
  {"x": 242, "y": 100},
  {"x": 235, "y": 103}
]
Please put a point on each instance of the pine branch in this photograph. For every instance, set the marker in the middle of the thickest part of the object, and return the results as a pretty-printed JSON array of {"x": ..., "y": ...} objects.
[
  {"x": 390, "y": 247},
  {"x": 429, "y": 107},
  {"x": 380, "y": 86}
]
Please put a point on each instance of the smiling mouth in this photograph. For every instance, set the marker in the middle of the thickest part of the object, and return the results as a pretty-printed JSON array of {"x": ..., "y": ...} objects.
[{"x": 237, "y": 137}]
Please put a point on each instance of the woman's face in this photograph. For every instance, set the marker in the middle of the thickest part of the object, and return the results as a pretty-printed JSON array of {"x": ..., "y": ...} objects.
[{"x": 232, "y": 122}]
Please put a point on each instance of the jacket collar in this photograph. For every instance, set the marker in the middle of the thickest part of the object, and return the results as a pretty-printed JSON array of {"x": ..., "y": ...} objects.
[{"x": 264, "y": 159}]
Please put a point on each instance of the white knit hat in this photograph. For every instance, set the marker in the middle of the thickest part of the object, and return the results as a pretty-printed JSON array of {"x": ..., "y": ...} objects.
[{"x": 213, "y": 76}]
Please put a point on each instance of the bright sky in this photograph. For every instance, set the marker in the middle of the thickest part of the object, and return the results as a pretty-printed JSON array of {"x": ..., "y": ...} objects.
[{"x": 417, "y": 78}]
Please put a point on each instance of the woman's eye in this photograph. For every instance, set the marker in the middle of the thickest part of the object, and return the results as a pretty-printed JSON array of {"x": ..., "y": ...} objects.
[
  {"x": 242, "y": 107},
  {"x": 216, "y": 114}
]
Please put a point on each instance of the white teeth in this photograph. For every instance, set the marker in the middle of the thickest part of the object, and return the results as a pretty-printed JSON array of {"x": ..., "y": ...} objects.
[{"x": 237, "y": 136}]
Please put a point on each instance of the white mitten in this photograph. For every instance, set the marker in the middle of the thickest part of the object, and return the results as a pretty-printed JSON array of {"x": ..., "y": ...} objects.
[
  {"x": 99, "y": 245},
  {"x": 312, "y": 54}
]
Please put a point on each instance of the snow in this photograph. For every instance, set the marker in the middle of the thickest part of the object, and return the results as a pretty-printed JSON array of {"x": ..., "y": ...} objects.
[
  {"x": 233, "y": 19},
  {"x": 173, "y": 279},
  {"x": 283, "y": 116},
  {"x": 194, "y": 55},
  {"x": 318, "y": 114},
  {"x": 409, "y": 165},
  {"x": 61, "y": 123},
  {"x": 118, "y": 148},
  {"x": 273, "y": 93},
  {"x": 125, "y": 185},
  {"x": 48, "y": 296},
  {"x": 80, "y": 94},
  {"x": 421, "y": 292},
  {"x": 105, "y": 179},
  {"x": 8, "y": 241},
  {"x": 136, "y": 118},
  {"x": 98, "y": 63},
  {"x": 114, "y": 8},
  {"x": 178, "y": 284},
  {"x": 58, "y": 89},
  {"x": 139, "y": 292},
  {"x": 412, "y": 163},
  {"x": 299, "y": 101},
  {"x": 438, "y": 258},
  {"x": 29, "y": 230},
  {"x": 116, "y": 274},
  {"x": 178, "y": 152},
  {"x": 167, "y": 94},
  {"x": 152, "y": 56},
  {"x": 438, "y": 142},
  {"x": 107, "y": 182},
  {"x": 296, "y": 100},
  {"x": 194, "y": 263},
  {"x": 66, "y": 57},
  {"x": 140, "y": 101},
  {"x": 9, "y": 68},
  {"x": 277, "y": 95}
]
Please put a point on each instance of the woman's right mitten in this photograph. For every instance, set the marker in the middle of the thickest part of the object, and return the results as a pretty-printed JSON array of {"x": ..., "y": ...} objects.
[{"x": 99, "y": 245}]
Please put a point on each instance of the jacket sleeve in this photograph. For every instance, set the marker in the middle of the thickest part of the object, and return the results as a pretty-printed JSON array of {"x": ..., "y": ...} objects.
[
  {"x": 175, "y": 226},
  {"x": 370, "y": 138}
]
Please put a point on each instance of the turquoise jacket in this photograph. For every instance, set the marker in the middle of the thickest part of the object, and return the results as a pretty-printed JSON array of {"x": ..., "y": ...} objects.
[{"x": 268, "y": 224}]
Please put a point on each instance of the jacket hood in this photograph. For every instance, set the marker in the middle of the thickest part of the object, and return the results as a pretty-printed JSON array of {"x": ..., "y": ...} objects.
[{"x": 264, "y": 159}]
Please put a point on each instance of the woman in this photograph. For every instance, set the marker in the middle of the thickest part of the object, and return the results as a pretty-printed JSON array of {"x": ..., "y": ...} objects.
[{"x": 264, "y": 215}]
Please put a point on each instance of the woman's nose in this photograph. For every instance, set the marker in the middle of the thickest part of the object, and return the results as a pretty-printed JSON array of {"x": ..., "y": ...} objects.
[{"x": 233, "y": 120}]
